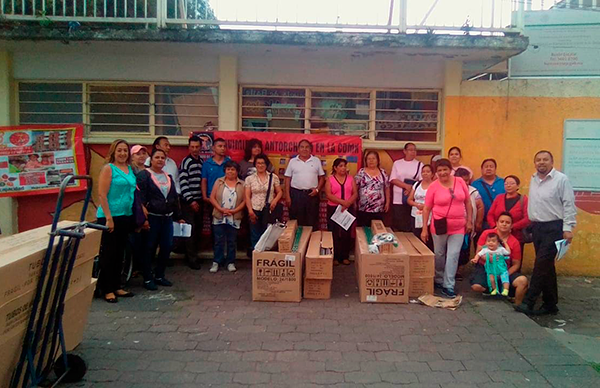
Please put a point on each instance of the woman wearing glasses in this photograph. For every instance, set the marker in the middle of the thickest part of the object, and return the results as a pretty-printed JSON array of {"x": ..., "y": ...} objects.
[{"x": 448, "y": 201}]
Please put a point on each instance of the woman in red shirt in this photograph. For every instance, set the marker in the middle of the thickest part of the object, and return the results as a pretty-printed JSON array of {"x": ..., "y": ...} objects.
[{"x": 515, "y": 204}]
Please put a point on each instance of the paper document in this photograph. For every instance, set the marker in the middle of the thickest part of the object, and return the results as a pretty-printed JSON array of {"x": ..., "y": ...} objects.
[
  {"x": 343, "y": 219},
  {"x": 182, "y": 230},
  {"x": 562, "y": 246}
]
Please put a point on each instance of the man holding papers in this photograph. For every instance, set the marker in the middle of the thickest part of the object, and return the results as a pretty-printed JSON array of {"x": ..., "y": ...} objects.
[
  {"x": 341, "y": 193},
  {"x": 552, "y": 212}
]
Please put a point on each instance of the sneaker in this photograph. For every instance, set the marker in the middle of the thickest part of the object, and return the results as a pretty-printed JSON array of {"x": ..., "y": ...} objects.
[
  {"x": 231, "y": 267},
  {"x": 523, "y": 308},
  {"x": 214, "y": 268},
  {"x": 150, "y": 285},
  {"x": 505, "y": 292},
  {"x": 163, "y": 282},
  {"x": 438, "y": 286},
  {"x": 494, "y": 293},
  {"x": 448, "y": 293}
]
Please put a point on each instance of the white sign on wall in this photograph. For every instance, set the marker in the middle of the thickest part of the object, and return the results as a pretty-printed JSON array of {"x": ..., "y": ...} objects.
[
  {"x": 581, "y": 155},
  {"x": 560, "y": 45}
]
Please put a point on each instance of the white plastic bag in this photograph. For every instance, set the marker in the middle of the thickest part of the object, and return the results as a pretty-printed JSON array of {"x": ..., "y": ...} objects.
[{"x": 269, "y": 237}]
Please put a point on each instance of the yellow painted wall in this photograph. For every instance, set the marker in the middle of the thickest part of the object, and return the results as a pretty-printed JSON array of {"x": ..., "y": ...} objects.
[{"x": 511, "y": 130}]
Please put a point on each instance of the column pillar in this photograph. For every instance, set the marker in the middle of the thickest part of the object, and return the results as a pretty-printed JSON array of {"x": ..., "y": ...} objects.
[
  {"x": 228, "y": 93},
  {"x": 451, "y": 99},
  {"x": 8, "y": 206}
]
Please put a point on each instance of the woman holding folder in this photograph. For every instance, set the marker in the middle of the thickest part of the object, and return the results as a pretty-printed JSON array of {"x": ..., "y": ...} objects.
[{"x": 340, "y": 190}]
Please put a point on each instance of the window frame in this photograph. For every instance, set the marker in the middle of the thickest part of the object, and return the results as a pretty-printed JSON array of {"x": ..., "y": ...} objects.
[
  {"x": 371, "y": 141},
  {"x": 103, "y": 137}
]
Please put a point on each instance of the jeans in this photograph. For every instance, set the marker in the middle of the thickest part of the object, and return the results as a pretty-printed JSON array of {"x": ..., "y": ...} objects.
[
  {"x": 258, "y": 228},
  {"x": 161, "y": 233},
  {"x": 225, "y": 234},
  {"x": 112, "y": 253},
  {"x": 138, "y": 242},
  {"x": 305, "y": 208},
  {"x": 543, "y": 277},
  {"x": 447, "y": 249},
  {"x": 402, "y": 219}
]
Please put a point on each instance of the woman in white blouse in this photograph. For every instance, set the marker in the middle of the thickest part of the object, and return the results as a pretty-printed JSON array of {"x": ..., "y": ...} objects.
[{"x": 416, "y": 199}]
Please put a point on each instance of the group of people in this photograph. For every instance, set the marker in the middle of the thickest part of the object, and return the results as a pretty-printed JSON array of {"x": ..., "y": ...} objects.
[{"x": 439, "y": 202}]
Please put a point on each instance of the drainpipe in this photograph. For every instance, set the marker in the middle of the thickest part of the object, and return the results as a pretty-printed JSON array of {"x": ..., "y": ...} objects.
[{"x": 403, "y": 7}]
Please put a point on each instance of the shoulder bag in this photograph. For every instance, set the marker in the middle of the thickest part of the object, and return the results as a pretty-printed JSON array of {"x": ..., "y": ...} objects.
[
  {"x": 268, "y": 216},
  {"x": 411, "y": 182},
  {"x": 441, "y": 225}
]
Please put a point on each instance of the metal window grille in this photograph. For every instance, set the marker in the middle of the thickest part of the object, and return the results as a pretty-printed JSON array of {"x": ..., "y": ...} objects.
[
  {"x": 128, "y": 108},
  {"x": 50, "y": 103},
  {"x": 397, "y": 115},
  {"x": 273, "y": 109}
]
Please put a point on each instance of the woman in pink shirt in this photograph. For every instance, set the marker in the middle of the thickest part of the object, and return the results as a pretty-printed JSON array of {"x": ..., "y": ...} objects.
[
  {"x": 447, "y": 198},
  {"x": 340, "y": 190}
]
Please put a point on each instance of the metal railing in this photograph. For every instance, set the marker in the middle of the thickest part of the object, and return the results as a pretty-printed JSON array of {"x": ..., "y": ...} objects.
[{"x": 396, "y": 16}]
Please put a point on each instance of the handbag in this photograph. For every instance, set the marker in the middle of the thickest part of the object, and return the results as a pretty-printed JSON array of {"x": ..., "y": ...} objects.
[
  {"x": 528, "y": 230},
  {"x": 441, "y": 225},
  {"x": 410, "y": 182},
  {"x": 268, "y": 216},
  {"x": 139, "y": 218}
]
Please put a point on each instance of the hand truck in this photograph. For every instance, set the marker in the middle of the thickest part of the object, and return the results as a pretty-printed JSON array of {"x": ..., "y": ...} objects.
[{"x": 45, "y": 334}]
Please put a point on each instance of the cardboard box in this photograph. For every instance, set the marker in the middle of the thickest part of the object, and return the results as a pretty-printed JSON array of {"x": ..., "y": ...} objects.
[
  {"x": 422, "y": 265},
  {"x": 378, "y": 227},
  {"x": 286, "y": 240},
  {"x": 75, "y": 320},
  {"x": 21, "y": 259},
  {"x": 277, "y": 276},
  {"x": 317, "y": 288},
  {"x": 383, "y": 277},
  {"x": 14, "y": 315},
  {"x": 317, "y": 265}
]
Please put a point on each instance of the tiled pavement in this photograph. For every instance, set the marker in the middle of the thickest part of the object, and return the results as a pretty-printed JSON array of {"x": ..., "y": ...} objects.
[{"x": 206, "y": 331}]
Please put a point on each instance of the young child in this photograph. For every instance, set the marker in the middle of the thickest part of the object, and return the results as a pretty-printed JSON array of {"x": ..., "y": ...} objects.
[{"x": 495, "y": 255}]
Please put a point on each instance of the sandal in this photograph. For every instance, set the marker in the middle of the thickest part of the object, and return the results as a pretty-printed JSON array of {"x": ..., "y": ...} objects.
[
  {"x": 124, "y": 294},
  {"x": 112, "y": 299}
]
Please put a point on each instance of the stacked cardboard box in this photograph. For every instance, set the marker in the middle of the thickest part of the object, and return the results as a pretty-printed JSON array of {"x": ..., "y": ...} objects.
[
  {"x": 319, "y": 266},
  {"x": 378, "y": 227},
  {"x": 286, "y": 240},
  {"x": 21, "y": 258},
  {"x": 277, "y": 276},
  {"x": 382, "y": 277},
  {"x": 422, "y": 265}
]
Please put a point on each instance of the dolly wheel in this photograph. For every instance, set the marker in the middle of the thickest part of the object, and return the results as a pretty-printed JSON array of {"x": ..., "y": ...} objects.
[{"x": 77, "y": 368}]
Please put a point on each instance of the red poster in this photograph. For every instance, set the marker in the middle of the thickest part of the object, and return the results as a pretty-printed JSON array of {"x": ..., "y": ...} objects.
[{"x": 34, "y": 159}]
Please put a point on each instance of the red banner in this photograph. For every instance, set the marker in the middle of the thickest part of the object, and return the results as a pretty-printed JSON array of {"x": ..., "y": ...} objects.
[
  {"x": 280, "y": 147},
  {"x": 34, "y": 159}
]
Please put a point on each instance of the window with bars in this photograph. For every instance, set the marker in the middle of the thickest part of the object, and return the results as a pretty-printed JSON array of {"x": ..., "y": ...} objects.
[
  {"x": 398, "y": 115},
  {"x": 273, "y": 109},
  {"x": 153, "y": 109}
]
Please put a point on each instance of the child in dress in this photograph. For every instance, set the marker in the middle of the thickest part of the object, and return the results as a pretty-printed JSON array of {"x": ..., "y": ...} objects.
[{"x": 495, "y": 255}]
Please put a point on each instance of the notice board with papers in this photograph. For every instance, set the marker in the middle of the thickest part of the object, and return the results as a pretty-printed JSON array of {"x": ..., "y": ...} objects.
[{"x": 580, "y": 156}]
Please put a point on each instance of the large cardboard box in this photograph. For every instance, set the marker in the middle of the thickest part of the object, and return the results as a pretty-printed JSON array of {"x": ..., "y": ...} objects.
[
  {"x": 382, "y": 277},
  {"x": 318, "y": 265},
  {"x": 14, "y": 315},
  {"x": 21, "y": 259},
  {"x": 286, "y": 240},
  {"x": 378, "y": 227},
  {"x": 422, "y": 265},
  {"x": 75, "y": 319},
  {"x": 277, "y": 276},
  {"x": 317, "y": 288}
]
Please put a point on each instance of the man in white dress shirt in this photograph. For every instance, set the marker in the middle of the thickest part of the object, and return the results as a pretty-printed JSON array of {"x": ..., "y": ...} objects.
[
  {"x": 304, "y": 178},
  {"x": 552, "y": 212}
]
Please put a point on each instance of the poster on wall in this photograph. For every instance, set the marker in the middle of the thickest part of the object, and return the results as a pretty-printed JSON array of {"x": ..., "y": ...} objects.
[{"x": 34, "y": 159}]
